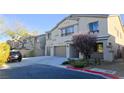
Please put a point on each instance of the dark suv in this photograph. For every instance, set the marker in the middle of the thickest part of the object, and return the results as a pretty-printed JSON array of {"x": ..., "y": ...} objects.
[{"x": 15, "y": 56}]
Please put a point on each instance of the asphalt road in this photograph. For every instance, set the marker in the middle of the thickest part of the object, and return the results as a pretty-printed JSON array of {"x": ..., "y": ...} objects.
[{"x": 40, "y": 71}]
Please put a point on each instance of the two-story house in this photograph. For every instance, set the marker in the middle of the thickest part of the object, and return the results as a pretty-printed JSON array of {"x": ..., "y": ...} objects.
[{"x": 108, "y": 28}]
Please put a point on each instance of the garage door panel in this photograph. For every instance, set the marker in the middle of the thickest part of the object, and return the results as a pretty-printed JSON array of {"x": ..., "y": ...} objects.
[{"x": 60, "y": 51}]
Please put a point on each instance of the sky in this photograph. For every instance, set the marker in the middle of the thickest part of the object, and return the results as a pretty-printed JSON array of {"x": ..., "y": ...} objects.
[{"x": 35, "y": 22}]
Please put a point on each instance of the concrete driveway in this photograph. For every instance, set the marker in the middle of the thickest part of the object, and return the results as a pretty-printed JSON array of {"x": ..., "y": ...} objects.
[{"x": 46, "y": 60}]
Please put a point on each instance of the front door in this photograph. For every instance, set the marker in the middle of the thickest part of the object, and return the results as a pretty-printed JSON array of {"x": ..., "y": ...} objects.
[
  {"x": 100, "y": 49},
  {"x": 73, "y": 52}
]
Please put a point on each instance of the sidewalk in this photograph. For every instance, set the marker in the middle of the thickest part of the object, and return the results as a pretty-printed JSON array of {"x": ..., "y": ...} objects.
[
  {"x": 99, "y": 73},
  {"x": 117, "y": 66}
]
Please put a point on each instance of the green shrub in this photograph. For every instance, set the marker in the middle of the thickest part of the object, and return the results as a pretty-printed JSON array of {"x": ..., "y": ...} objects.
[
  {"x": 69, "y": 61},
  {"x": 79, "y": 63},
  {"x": 65, "y": 63},
  {"x": 82, "y": 59},
  {"x": 97, "y": 61},
  {"x": 76, "y": 63}
]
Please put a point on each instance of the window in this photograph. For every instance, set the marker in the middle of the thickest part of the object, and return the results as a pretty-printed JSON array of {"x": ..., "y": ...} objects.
[
  {"x": 93, "y": 27},
  {"x": 49, "y": 35},
  {"x": 67, "y": 31},
  {"x": 63, "y": 32},
  {"x": 70, "y": 30}
]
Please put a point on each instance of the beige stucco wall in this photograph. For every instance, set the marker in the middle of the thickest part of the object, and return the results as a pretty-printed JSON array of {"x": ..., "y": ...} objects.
[
  {"x": 115, "y": 29},
  {"x": 80, "y": 26},
  {"x": 84, "y": 27},
  {"x": 56, "y": 38}
]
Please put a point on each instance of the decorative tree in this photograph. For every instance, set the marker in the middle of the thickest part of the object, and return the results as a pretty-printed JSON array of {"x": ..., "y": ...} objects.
[
  {"x": 84, "y": 43},
  {"x": 18, "y": 34},
  {"x": 4, "y": 53}
]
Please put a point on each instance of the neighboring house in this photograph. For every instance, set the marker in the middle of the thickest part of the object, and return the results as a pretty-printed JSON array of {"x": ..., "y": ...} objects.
[
  {"x": 14, "y": 44},
  {"x": 36, "y": 44},
  {"x": 40, "y": 45},
  {"x": 108, "y": 28}
]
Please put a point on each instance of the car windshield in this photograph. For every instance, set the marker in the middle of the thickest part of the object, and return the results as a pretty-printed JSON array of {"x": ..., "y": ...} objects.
[{"x": 13, "y": 53}]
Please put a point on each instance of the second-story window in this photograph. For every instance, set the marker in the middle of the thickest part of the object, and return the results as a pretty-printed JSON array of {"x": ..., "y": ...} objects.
[
  {"x": 94, "y": 27},
  {"x": 49, "y": 36},
  {"x": 67, "y": 31}
]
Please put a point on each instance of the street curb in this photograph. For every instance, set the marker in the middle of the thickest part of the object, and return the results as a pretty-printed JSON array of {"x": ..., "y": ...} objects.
[{"x": 110, "y": 76}]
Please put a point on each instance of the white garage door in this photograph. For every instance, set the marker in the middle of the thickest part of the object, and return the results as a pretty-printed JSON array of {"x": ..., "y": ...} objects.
[{"x": 60, "y": 51}]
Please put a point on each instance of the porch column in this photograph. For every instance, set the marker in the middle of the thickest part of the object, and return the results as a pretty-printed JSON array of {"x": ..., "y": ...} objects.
[
  {"x": 68, "y": 51},
  {"x": 45, "y": 50},
  {"x": 52, "y": 50},
  {"x": 81, "y": 56},
  {"x": 108, "y": 54}
]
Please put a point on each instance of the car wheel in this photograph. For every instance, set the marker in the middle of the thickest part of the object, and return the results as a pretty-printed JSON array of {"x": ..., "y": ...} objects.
[{"x": 20, "y": 59}]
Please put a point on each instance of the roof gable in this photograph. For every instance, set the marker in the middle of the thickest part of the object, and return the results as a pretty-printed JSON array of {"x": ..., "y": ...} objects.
[{"x": 75, "y": 17}]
